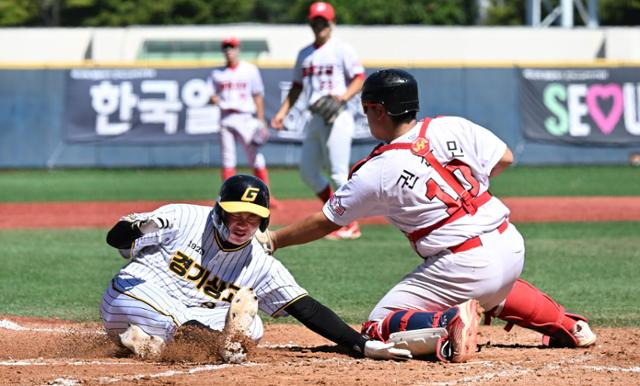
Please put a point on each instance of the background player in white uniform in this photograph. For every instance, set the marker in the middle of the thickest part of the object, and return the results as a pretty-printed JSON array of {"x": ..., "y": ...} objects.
[
  {"x": 188, "y": 262},
  {"x": 328, "y": 66},
  {"x": 239, "y": 92},
  {"x": 430, "y": 179}
]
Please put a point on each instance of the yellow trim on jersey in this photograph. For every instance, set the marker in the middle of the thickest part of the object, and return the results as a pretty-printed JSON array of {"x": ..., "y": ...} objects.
[
  {"x": 275, "y": 314},
  {"x": 220, "y": 242},
  {"x": 113, "y": 285},
  {"x": 240, "y": 206}
]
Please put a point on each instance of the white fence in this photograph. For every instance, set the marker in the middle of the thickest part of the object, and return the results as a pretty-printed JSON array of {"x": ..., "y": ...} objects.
[{"x": 401, "y": 45}]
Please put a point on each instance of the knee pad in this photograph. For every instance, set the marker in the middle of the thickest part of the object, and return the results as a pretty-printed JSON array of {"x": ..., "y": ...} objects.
[{"x": 528, "y": 307}]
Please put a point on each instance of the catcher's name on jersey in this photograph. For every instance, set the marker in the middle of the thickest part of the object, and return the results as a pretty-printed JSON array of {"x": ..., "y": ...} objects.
[
  {"x": 406, "y": 190},
  {"x": 191, "y": 262}
]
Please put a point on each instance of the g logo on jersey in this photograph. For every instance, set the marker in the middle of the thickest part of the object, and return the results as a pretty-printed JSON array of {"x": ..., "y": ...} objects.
[{"x": 250, "y": 194}]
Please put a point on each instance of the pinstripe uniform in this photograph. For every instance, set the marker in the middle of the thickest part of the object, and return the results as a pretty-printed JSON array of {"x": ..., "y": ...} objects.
[{"x": 185, "y": 273}]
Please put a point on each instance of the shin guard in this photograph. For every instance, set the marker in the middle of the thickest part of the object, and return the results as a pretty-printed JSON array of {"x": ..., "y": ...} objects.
[
  {"x": 528, "y": 307},
  {"x": 429, "y": 331}
]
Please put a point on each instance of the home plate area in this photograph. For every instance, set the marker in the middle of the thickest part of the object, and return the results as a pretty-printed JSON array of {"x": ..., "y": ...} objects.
[{"x": 54, "y": 352}]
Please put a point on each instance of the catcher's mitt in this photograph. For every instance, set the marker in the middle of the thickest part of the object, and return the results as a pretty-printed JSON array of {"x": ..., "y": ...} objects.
[{"x": 328, "y": 108}]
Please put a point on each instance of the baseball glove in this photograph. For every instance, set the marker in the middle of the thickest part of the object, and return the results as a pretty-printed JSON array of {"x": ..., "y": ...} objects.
[{"x": 328, "y": 108}]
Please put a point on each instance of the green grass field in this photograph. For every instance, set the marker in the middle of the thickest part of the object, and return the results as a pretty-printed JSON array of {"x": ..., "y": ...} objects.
[
  {"x": 202, "y": 184},
  {"x": 588, "y": 267}
]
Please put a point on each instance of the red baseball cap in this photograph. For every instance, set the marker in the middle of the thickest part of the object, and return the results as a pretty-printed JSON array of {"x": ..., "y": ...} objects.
[
  {"x": 322, "y": 9},
  {"x": 230, "y": 41}
]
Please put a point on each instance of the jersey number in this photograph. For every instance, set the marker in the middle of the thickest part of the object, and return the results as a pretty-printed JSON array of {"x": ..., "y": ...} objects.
[{"x": 463, "y": 173}]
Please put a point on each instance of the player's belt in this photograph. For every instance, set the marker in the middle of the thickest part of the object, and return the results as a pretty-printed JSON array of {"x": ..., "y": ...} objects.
[{"x": 475, "y": 242}]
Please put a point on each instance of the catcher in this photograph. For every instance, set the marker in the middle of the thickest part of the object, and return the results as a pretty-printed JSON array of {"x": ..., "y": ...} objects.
[
  {"x": 327, "y": 73},
  {"x": 201, "y": 266},
  {"x": 430, "y": 179}
]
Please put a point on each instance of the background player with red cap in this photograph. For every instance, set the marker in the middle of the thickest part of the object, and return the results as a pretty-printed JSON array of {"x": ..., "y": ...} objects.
[
  {"x": 327, "y": 74},
  {"x": 238, "y": 91}
]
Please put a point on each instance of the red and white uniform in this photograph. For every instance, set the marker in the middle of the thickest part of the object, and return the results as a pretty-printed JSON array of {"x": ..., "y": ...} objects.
[
  {"x": 236, "y": 87},
  {"x": 326, "y": 70},
  {"x": 413, "y": 196}
]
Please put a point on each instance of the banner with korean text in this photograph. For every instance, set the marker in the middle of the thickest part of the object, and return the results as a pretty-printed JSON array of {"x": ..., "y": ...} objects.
[
  {"x": 145, "y": 105},
  {"x": 599, "y": 106}
]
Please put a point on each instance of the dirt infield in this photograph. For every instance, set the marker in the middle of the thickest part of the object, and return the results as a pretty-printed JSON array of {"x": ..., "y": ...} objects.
[
  {"x": 49, "y": 352},
  {"x": 54, "y": 352}
]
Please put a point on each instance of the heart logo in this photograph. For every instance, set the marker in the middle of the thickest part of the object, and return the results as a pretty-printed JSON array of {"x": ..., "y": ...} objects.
[{"x": 606, "y": 123}]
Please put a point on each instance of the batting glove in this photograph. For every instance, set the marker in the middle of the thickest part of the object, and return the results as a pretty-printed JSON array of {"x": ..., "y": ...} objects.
[
  {"x": 265, "y": 240},
  {"x": 376, "y": 349},
  {"x": 147, "y": 224}
]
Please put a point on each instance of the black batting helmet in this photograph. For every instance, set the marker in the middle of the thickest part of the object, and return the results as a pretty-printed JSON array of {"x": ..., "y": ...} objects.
[
  {"x": 396, "y": 90},
  {"x": 243, "y": 193}
]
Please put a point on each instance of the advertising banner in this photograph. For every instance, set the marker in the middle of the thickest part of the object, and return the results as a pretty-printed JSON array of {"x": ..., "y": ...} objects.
[
  {"x": 599, "y": 106},
  {"x": 146, "y": 105}
]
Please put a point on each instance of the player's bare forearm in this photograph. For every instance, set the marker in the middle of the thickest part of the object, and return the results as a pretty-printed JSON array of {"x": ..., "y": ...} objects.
[
  {"x": 293, "y": 95},
  {"x": 311, "y": 228},
  {"x": 505, "y": 162},
  {"x": 354, "y": 87},
  {"x": 290, "y": 100},
  {"x": 278, "y": 120}
]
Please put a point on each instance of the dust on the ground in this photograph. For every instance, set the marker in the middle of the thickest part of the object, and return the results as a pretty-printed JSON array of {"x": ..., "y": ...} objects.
[{"x": 47, "y": 353}]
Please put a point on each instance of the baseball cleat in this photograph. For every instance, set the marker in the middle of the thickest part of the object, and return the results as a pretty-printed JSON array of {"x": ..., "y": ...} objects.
[
  {"x": 142, "y": 344},
  {"x": 583, "y": 334},
  {"x": 242, "y": 310},
  {"x": 347, "y": 232},
  {"x": 463, "y": 331}
]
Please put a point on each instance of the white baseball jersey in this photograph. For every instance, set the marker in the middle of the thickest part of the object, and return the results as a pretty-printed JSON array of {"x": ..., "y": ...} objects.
[
  {"x": 191, "y": 262},
  {"x": 184, "y": 273},
  {"x": 325, "y": 70},
  {"x": 236, "y": 86},
  {"x": 401, "y": 186}
]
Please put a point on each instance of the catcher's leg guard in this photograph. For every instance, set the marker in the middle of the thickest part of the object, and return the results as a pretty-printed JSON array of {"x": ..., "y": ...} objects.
[
  {"x": 529, "y": 307},
  {"x": 450, "y": 334}
]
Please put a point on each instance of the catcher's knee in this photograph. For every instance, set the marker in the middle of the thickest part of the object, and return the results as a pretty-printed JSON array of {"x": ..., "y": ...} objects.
[{"x": 529, "y": 307}]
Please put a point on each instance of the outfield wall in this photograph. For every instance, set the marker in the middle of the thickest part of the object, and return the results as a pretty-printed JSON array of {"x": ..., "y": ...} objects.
[{"x": 32, "y": 134}]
